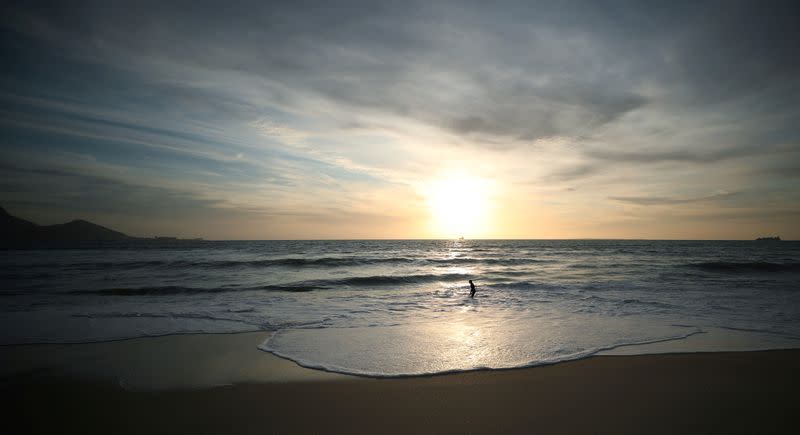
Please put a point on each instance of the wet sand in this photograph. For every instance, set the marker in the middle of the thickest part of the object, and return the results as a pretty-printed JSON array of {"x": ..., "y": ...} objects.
[
  {"x": 169, "y": 362},
  {"x": 731, "y": 392}
]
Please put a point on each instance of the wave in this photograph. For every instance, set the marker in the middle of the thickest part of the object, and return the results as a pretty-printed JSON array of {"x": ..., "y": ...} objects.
[
  {"x": 169, "y": 315},
  {"x": 397, "y": 279},
  {"x": 304, "y": 286},
  {"x": 291, "y": 262},
  {"x": 741, "y": 267},
  {"x": 225, "y": 264},
  {"x": 176, "y": 290},
  {"x": 479, "y": 260},
  {"x": 374, "y": 369},
  {"x": 628, "y": 301}
]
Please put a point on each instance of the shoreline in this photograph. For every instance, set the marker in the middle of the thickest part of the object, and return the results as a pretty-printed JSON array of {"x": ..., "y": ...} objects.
[
  {"x": 202, "y": 360},
  {"x": 717, "y": 392},
  {"x": 222, "y": 383},
  {"x": 167, "y": 362}
]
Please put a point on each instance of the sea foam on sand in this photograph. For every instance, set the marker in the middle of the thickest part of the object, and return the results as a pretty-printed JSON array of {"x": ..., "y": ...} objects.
[{"x": 464, "y": 342}]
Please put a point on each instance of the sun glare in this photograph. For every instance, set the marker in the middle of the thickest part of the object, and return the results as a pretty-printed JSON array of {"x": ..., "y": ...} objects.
[{"x": 459, "y": 206}]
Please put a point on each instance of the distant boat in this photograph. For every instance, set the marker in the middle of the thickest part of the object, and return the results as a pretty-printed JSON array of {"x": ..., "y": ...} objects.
[
  {"x": 769, "y": 239},
  {"x": 461, "y": 238}
]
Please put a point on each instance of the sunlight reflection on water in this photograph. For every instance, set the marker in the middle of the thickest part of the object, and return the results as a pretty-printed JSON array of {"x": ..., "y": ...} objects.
[{"x": 468, "y": 340}]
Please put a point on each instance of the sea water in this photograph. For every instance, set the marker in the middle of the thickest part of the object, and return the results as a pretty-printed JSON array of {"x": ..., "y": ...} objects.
[{"x": 393, "y": 308}]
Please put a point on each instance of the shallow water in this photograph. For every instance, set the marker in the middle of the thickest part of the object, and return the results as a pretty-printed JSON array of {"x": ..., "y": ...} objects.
[{"x": 402, "y": 307}]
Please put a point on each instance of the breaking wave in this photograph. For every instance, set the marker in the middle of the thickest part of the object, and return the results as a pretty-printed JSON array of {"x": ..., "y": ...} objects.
[
  {"x": 743, "y": 267},
  {"x": 305, "y": 286}
]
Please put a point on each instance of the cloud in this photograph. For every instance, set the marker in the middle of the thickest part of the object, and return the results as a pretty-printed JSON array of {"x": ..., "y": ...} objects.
[
  {"x": 697, "y": 155},
  {"x": 364, "y": 63},
  {"x": 273, "y": 107},
  {"x": 662, "y": 200},
  {"x": 573, "y": 173},
  {"x": 517, "y": 73},
  {"x": 279, "y": 131}
]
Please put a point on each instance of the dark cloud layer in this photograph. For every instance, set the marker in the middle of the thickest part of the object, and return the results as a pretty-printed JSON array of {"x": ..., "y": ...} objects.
[
  {"x": 695, "y": 154},
  {"x": 660, "y": 200},
  {"x": 521, "y": 70}
]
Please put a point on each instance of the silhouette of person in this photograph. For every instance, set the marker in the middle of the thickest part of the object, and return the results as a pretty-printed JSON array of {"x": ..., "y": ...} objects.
[{"x": 472, "y": 289}]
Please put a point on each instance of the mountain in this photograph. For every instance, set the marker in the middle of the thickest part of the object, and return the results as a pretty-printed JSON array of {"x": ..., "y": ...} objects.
[
  {"x": 19, "y": 232},
  {"x": 79, "y": 230},
  {"x": 11, "y": 226}
]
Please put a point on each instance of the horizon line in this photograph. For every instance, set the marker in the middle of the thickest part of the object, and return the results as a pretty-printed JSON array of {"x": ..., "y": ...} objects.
[{"x": 465, "y": 239}]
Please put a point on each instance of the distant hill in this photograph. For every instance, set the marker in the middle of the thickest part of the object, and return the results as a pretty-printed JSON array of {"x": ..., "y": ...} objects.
[{"x": 15, "y": 231}]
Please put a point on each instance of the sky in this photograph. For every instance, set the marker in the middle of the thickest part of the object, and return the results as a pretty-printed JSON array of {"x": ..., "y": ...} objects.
[{"x": 340, "y": 120}]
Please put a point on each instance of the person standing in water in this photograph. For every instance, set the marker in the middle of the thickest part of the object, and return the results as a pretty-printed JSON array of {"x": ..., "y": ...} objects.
[{"x": 472, "y": 289}]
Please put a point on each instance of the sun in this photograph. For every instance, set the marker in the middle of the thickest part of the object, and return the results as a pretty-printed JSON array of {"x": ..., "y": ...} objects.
[{"x": 459, "y": 206}]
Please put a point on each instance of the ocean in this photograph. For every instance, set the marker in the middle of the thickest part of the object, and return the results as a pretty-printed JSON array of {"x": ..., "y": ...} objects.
[{"x": 394, "y": 308}]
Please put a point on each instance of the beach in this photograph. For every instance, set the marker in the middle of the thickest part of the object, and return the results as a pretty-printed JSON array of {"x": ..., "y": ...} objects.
[
  {"x": 210, "y": 383},
  {"x": 402, "y": 307},
  {"x": 441, "y": 217},
  {"x": 562, "y": 336}
]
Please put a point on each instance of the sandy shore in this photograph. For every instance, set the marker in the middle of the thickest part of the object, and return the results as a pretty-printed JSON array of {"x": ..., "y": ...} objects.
[
  {"x": 734, "y": 392},
  {"x": 171, "y": 362}
]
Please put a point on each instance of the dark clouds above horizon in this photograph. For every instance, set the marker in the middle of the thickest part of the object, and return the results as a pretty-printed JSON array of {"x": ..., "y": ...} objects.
[{"x": 324, "y": 119}]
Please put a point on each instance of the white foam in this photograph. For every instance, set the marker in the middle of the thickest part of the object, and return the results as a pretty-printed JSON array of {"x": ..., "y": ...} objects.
[
  {"x": 538, "y": 301},
  {"x": 712, "y": 340},
  {"x": 466, "y": 342}
]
